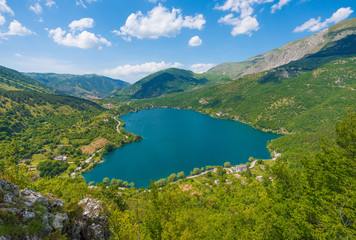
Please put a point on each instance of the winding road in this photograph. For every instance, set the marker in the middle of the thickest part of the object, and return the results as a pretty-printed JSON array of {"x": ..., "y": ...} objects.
[{"x": 118, "y": 127}]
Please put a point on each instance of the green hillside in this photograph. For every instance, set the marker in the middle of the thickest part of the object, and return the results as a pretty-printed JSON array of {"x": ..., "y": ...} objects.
[
  {"x": 161, "y": 83},
  {"x": 309, "y": 102},
  {"x": 13, "y": 80},
  {"x": 89, "y": 86}
]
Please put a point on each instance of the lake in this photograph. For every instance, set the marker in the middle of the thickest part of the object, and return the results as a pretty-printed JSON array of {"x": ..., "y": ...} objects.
[{"x": 179, "y": 140}]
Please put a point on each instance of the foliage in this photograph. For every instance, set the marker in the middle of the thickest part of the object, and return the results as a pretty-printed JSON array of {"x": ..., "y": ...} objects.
[{"x": 52, "y": 168}]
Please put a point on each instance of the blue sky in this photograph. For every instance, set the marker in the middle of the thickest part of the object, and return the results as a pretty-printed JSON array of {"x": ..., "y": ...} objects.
[{"x": 130, "y": 39}]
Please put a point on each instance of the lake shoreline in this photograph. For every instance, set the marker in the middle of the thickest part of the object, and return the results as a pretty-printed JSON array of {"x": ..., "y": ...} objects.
[{"x": 268, "y": 151}]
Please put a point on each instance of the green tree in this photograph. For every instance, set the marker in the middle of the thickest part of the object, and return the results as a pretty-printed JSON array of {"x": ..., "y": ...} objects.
[
  {"x": 172, "y": 177},
  {"x": 180, "y": 175},
  {"x": 227, "y": 164},
  {"x": 196, "y": 171},
  {"x": 106, "y": 181}
]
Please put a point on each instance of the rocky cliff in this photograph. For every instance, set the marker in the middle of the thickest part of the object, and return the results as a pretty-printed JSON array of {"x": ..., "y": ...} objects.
[
  {"x": 27, "y": 214},
  {"x": 290, "y": 52}
]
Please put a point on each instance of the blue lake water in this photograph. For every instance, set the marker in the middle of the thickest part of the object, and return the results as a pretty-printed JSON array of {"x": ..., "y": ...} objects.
[{"x": 179, "y": 140}]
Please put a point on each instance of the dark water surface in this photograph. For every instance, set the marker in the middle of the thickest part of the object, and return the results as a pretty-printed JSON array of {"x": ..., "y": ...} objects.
[{"x": 179, "y": 140}]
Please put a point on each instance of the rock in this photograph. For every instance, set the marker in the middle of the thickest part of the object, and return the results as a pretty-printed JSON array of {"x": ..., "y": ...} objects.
[
  {"x": 60, "y": 221},
  {"x": 10, "y": 210},
  {"x": 92, "y": 208},
  {"x": 27, "y": 215},
  {"x": 9, "y": 188},
  {"x": 46, "y": 229},
  {"x": 33, "y": 197},
  {"x": 57, "y": 203},
  {"x": 93, "y": 223},
  {"x": 8, "y": 198}
]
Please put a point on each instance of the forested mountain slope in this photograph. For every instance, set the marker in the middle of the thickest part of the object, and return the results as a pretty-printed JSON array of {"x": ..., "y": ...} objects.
[
  {"x": 161, "y": 83},
  {"x": 13, "y": 80},
  {"x": 86, "y": 86}
]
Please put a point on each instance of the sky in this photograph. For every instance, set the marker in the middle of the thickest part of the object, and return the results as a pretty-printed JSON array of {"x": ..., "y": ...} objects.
[{"x": 130, "y": 39}]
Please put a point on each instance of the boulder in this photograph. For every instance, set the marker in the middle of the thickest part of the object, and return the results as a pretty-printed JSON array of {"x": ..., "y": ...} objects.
[
  {"x": 9, "y": 188},
  {"x": 27, "y": 215},
  {"x": 57, "y": 203},
  {"x": 33, "y": 197},
  {"x": 60, "y": 221},
  {"x": 93, "y": 223}
]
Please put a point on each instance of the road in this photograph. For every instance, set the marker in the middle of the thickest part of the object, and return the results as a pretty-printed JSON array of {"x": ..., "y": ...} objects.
[{"x": 118, "y": 127}]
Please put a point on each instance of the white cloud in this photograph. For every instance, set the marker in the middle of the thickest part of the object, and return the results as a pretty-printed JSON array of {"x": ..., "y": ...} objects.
[
  {"x": 81, "y": 39},
  {"x": 279, "y": 5},
  {"x": 134, "y": 73},
  {"x": 18, "y": 55},
  {"x": 36, "y": 8},
  {"x": 159, "y": 22},
  {"x": 81, "y": 2},
  {"x": 313, "y": 25},
  {"x": 50, "y": 3},
  {"x": 2, "y": 20},
  {"x": 244, "y": 7},
  {"x": 241, "y": 26},
  {"x": 5, "y": 8},
  {"x": 17, "y": 29},
  {"x": 195, "y": 41},
  {"x": 81, "y": 24},
  {"x": 245, "y": 23},
  {"x": 201, "y": 67}
]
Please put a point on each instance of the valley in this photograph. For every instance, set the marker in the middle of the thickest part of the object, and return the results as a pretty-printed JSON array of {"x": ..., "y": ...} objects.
[{"x": 298, "y": 100}]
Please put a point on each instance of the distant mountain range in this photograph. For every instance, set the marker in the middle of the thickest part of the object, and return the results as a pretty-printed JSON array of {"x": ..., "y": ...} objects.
[{"x": 89, "y": 86}]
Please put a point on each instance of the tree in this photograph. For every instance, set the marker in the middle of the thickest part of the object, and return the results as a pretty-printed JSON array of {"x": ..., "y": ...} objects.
[
  {"x": 106, "y": 181},
  {"x": 227, "y": 164},
  {"x": 172, "y": 177},
  {"x": 180, "y": 175},
  {"x": 113, "y": 182},
  {"x": 196, "y": 171},
  {"x": 132, "y": 184}
]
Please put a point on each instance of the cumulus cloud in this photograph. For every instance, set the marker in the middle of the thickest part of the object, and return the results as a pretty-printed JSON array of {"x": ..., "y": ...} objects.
[
  {"x": 36, "y": 8},
  {"x": 5, "y": 8},
  {"x": 79, "y": 25},
  {"x": 279, "y": 5},
  {"x": 244, "y": 7},
  {"x": 17, "y": 29},
  {"x": 134, "y": 73},
  {"x": 50, "y": 3},
  {"x": 156, "y": 1},
  {"x": 201, "y": 67},
  {"x": 245, "y": 23},
  {"x": 2, "y": 20},
  {"x": 78, "y": 37},
  {"x": 195, "y": 41},
  {"x": 313, "y": 24},
  {"x": 241, "y": 26},
  {"x": 159, "y": 22}
]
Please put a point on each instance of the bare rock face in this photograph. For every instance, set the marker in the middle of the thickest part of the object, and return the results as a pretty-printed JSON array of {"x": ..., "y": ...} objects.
[
  {"x": 33, "y": 197},
  {"x": 93, "y": 223},
  {"x": 10, "y": 190}
]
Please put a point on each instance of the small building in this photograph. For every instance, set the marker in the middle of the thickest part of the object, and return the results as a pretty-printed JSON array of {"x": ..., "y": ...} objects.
[
  {"x": 217, "y": 181},
  {"x": 241, "y": 168},
  {"x": 60, "y": 158},
  {"x": 106, "y": 120}
]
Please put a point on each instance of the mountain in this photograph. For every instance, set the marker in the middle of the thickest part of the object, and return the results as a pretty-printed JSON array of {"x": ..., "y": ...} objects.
[
  {"x": 163, "y": 82},
  {"x": 88, "y": 86},
  {"x": 293, "y": 51},
  {"x": 14, "y": 80}
]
